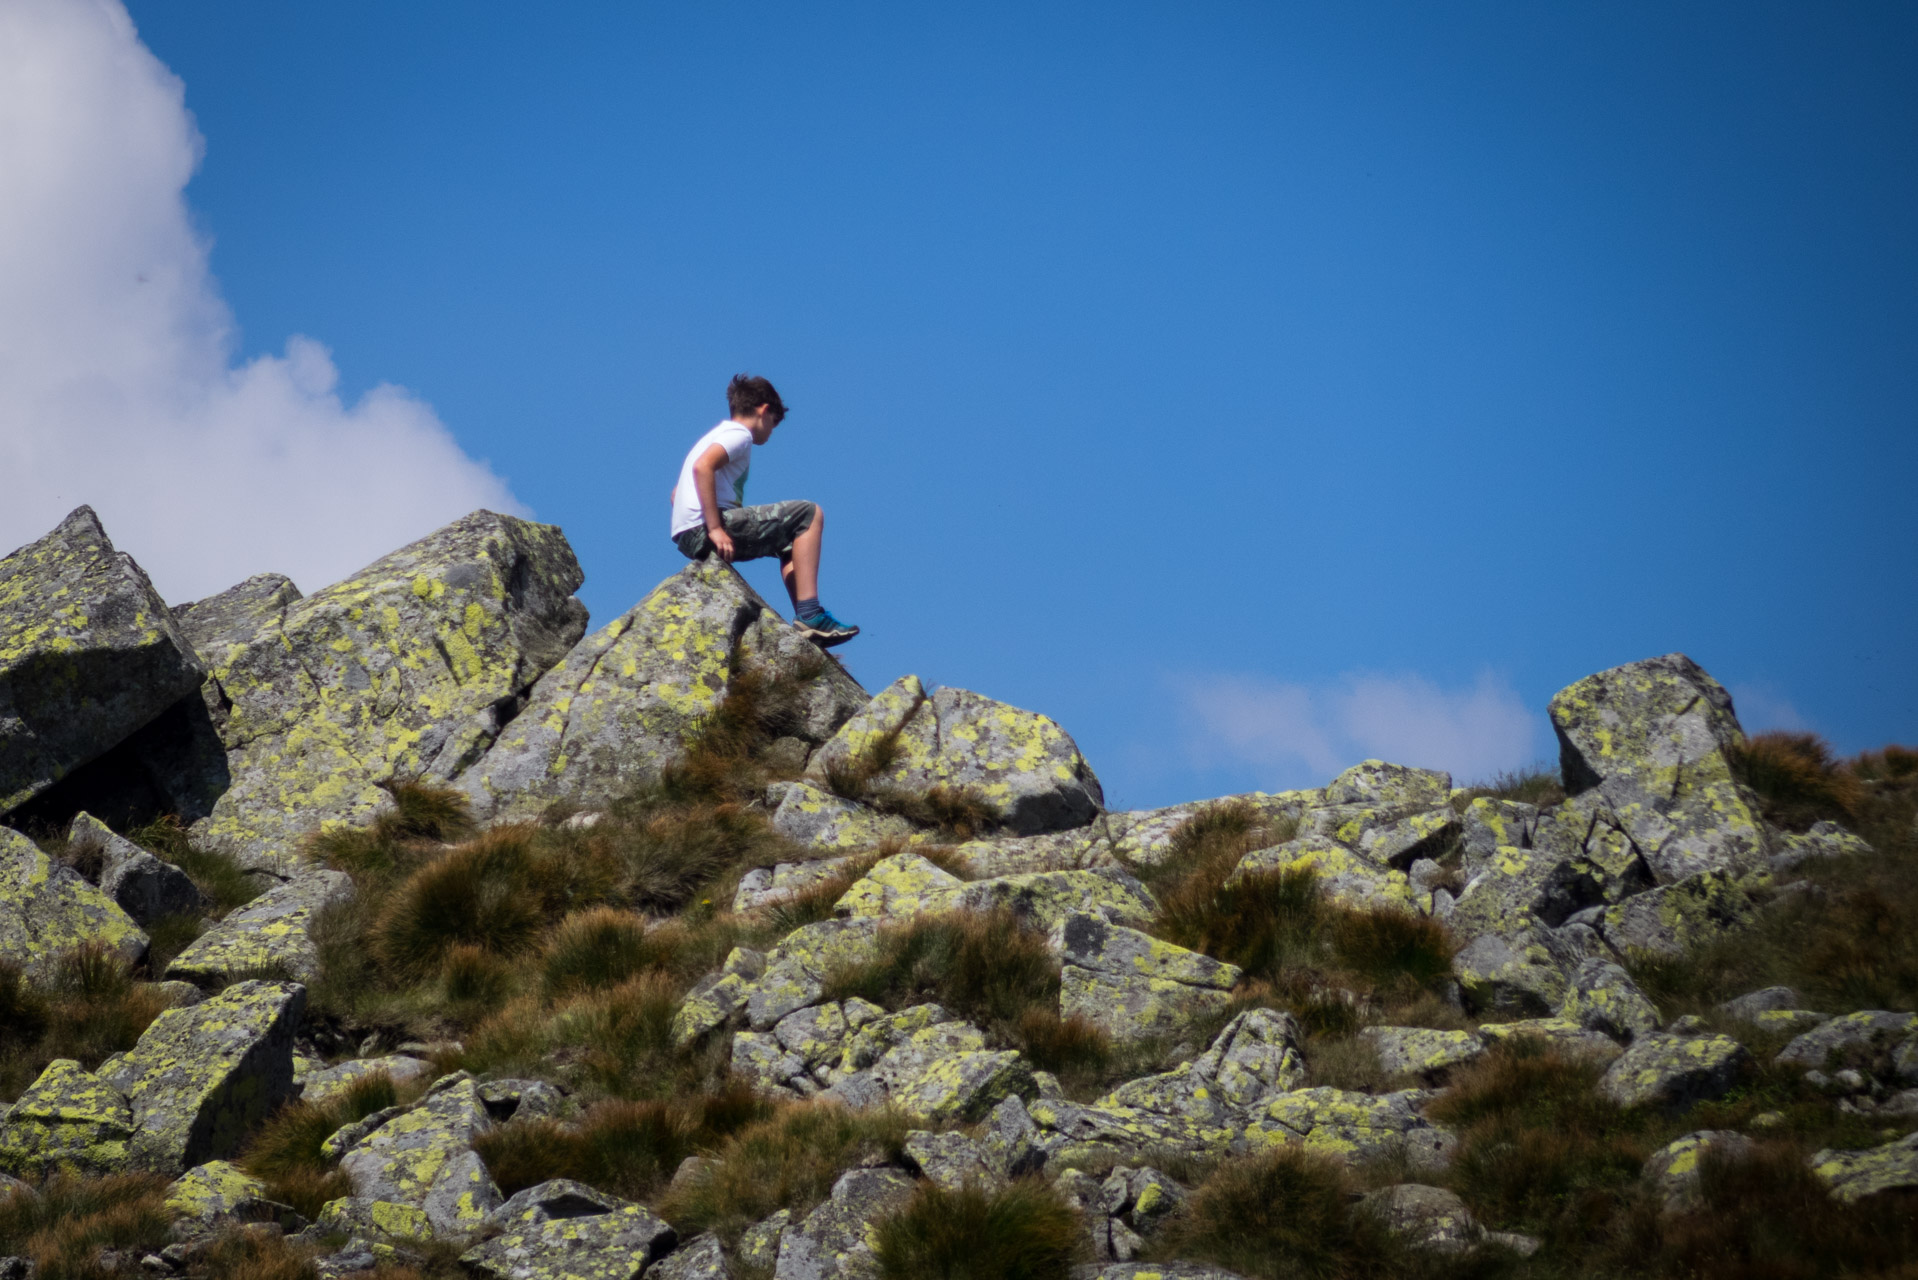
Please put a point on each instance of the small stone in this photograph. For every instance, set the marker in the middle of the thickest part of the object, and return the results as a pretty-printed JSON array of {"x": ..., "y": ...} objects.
[
  {"x": 1424, "y": 1217},
  {"x": 1673, "y": 1170}
]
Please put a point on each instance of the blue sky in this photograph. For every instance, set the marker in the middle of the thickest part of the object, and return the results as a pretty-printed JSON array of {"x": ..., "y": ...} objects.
[{"x": 1252, "y": 388}]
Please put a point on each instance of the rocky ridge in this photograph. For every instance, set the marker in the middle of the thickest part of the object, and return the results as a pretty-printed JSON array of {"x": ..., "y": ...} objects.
[{"x": 261, "y": 719}]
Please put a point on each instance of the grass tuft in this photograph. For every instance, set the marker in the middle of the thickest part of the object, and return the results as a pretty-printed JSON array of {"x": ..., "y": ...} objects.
[
  {"x": 1539, "y": 785},
  {"x": 1278, "y": 1214},
  {"x": 787, "y": 1161},
  {"x": 599, "y": 947},
  {"x": 225, "y": 883},
  {"x": 1021, "y": 1231},
  {"x": 285, "y": 1151},
  {"x": 1797, "y": 780},
  {"x": 64, "y": 1227}
]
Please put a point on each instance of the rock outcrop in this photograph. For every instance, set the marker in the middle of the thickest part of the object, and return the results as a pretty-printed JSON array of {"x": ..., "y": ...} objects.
[
  {"x": 408, "y": 669},
  {"x": 618, "y": 709},
  {"x": 89, "y": 654},
  {"x": 48, "y": 909}
]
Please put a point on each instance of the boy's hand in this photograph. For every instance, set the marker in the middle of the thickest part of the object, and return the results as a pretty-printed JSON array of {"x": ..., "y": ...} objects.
[{"x": 722, "y": 543}]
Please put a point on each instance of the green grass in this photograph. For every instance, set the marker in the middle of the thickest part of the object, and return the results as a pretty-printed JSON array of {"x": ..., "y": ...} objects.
[{"x": 1021, "y": 1231}]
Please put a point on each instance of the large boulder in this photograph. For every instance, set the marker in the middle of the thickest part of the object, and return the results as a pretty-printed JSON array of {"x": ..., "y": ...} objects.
[
  {"x": 1023, "y": 765},
  {"x": 201, "y": 1078},
  {"x": 88, "y": 654},
  {"x": 1654, "y": 739},
  {"x": 68, "y": 1121},
  {"x": 271, "y": 933},
  {"x": 1673, "y": 1071},
  {"x": 1852, "y": 1175},
  {"x": 48, "y": 909},
  {"x": 1132, "y": 985},
  {"x": 1356, "y": 1126},
  {"x": 619, "y": 708},
  {"x": 419, "y": 1166},
  {"x": 405, "y": 670}
]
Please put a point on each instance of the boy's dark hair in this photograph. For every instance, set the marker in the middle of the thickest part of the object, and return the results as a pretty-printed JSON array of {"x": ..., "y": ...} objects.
[{"x": 747, "y": 392}]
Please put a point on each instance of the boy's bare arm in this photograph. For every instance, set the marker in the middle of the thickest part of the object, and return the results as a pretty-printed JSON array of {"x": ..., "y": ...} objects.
[{"x": 704, "y": 470}]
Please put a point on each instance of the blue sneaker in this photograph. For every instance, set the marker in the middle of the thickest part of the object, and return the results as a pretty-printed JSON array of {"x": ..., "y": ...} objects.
[{"x": 825, "y": 630}]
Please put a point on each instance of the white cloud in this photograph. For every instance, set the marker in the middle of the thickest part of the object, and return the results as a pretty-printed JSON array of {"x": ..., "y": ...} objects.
[
  {"x": 1762, "y": 707},
  {"x": 1303, "y": 735},
  {"x": 118, "y": 385}
]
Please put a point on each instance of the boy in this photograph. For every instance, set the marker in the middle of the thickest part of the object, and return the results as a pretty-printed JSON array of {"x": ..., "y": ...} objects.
[{"x": 708, "y": 517}]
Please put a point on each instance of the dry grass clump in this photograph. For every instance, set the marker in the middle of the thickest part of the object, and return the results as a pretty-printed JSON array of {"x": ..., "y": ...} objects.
[
  {"x": 1539, "y": 1149},
  {"x": 1278, "y": 1214},
  {"x": 63, "y": 1228},
  {"x": 1279, "y": 926},
  {"x": 256, "y": 1255},
  {"x": 1797, "y": 779},
  {"x": 90, "y": 1007},
  {"x": 1021, "y": 1231},
  {"x": 624, "y": 1148},
  {"x": 787, "y": 1161},
  {"x": 285, "y": 1151},
  {"x": 1539, "y": 784},
  {"x": 991, "y": 968},
  {"x": 599, "y": 947}
]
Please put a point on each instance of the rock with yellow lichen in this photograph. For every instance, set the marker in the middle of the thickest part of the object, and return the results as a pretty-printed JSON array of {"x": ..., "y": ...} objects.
[
  {"x": 574, "y": 1239},
  {"x": 1673, "y": 1172},
  {"x": 1653, "y": 739},
  {"x": 1673, "y": 1071},
  {"x": 201, "y": 1078},
  {"x": 766, "y": 886},
  {"x": 68, "y": 1121},
  {"x": 408, "y": 669},
  {"x": 1025, "y": 768},
  {"x": 1560, "y": 1035},
  {"x": 1046, "y": 899},
  {"x": 1254, "y": 1058},
  {"x": 807, "y": 815},
  {"x": 1424, "y": 1217},
  {"x": 622, "y": 704},
  {"x": 1673, "y": 918},
  {"x": 834, "y": 1241},
  {"x": 1601, "y": 996},
  {"x": 1132, "y": 985},
  {"x": 47, "y": 909},
  {"x": 272, "y": 933},
  {"x": 1852, "y": 1175},
  {"x": 1524, "y": 970},
  {"x": 423, "y": 1159},
  {"x": 903, "y": 885},
  {"x": 1421, "y": 1052},
  {"x": 1345, "y": 875},
  {"x": 89, "y": 654},
  {"x": 1356, "y": 1126},
  {"x": 220, "y": 1192}
]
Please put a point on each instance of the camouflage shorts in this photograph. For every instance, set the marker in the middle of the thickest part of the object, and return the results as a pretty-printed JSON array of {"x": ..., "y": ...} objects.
[{"x": 756, "y": 531}]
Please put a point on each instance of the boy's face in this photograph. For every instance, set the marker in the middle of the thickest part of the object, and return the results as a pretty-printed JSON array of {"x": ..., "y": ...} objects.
[{"x": 762, "y": 422}]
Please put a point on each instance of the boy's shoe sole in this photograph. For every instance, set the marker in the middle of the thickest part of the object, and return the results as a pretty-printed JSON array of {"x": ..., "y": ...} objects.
[{"x": 825, "y": 637}]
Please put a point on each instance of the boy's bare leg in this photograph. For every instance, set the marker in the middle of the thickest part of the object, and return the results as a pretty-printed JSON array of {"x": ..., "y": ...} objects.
[{"x": 799, "y": 568}]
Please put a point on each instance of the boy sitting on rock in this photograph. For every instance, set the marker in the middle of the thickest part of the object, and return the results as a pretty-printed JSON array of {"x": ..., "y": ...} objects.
[{"x": 708, "y": 516}]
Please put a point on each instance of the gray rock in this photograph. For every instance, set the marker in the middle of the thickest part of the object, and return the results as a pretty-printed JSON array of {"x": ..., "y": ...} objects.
[
  {"x": 514, "y": 1101},
  {"x": 1854, "y": 1033},
  {"x": 423, "y": 1159},
  {"x": 1852, "y": 1175},
  {"x": 759, "y": 1244},
  {"x": 1524, "y": 971},
  {"x": 1824, "y": 840},
  {"x": 951, "y": 1160},
  {"x": 89, "y": 653},
  {"x": 1010, "y": 1140},
  {"x": 1152, "y": 1271},
  {"x": 1652, "y": 738},
  {"x": 1673, "y": 1071},
  {"x": 1142, "y": 1196},
  {"x": 1750, "y": 1005},
  {"x": 271, "y": 933},
  {"x": 1376, "y": 783},
  {"x": 1673, "y": 1169},
  {"x": 48, "y": 909},
  {"x": 1132, "y": 985},
  {"x": 1424, "y": 1217},
  {"x": 1357, "y": 1126},
  {"x": 556, "y": 1200},
  {"x": 819, "y": 819},
  {"x": 1489, "y": 825},
  {"x": 1022, "y": 764},
  {"x": 318, "y": 1086},
  {"x": 201, "y": 1078},
  {"x": 67, "y": 1121},
  {"x": 1672, "y": 918},
  {"x": 1603, "y": 997},
  {"x": 146, "y": 888},
  {"x": 700, "y": 1258},
  {"x": 1559, "y": 1034},
  {"x": 832, "y": 1241},
  {"x": 408, "y": 669},
  {"x": 764, "y": 886},
  {"x": 619, "y": 1245},
  {"x": 618, "y": 709},
  {"x": 1255, "y": 1057},
  {"x": 1408, "y": 1050}
]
